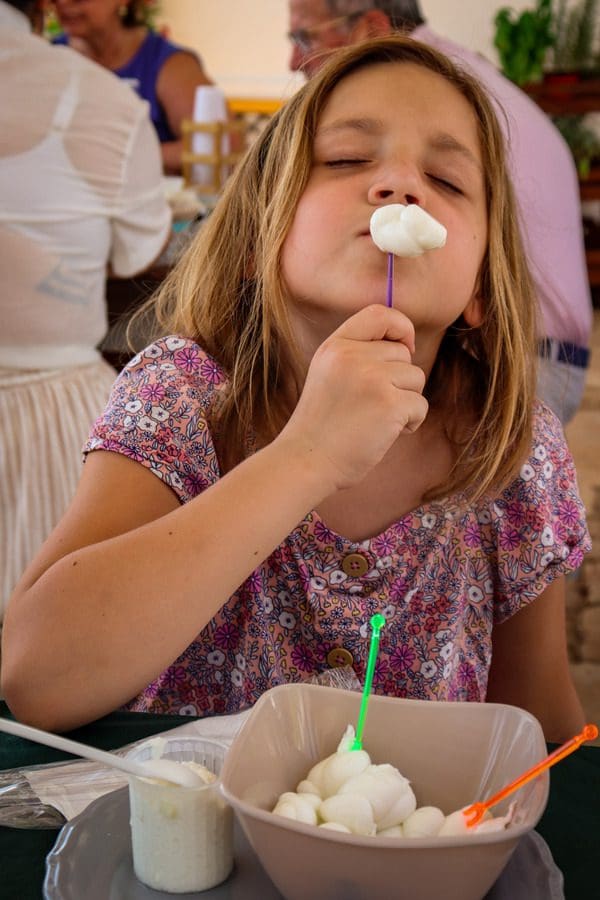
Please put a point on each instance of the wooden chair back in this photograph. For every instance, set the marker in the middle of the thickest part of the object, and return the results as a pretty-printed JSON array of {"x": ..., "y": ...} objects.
[{"x": 220, "y": 164}]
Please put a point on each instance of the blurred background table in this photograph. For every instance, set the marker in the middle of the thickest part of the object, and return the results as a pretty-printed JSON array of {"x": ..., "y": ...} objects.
[{"x": 570, "y": 824}]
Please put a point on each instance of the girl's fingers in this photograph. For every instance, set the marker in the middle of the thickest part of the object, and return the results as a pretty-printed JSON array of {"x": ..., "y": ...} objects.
[{"x": 378, "y": 323}]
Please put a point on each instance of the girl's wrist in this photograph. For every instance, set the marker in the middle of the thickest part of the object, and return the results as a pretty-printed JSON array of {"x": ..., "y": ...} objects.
[{"x": 305, "y": 465}]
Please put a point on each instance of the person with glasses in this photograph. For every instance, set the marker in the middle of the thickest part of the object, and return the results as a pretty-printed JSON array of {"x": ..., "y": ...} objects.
[
  {"x": 541, "y": 168},
  {"x": 318, "y": 27}
]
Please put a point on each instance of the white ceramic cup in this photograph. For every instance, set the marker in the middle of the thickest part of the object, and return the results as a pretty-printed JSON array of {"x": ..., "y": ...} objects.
[{"x": 182, "y": 838}]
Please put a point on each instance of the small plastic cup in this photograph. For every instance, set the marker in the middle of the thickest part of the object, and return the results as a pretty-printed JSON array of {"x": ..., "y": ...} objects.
[{"x": 182, "y": 838}]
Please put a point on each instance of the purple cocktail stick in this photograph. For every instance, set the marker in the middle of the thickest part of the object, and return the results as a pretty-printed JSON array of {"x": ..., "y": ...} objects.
[{"x": 390, "y": 280}]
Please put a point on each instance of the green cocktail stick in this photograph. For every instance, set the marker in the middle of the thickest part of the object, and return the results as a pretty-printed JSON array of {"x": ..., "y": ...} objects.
[{"x": 377, "y": 623}]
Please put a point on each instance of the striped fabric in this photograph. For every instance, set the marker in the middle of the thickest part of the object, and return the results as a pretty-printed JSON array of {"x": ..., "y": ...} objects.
[{"x": 45, "y": 420}]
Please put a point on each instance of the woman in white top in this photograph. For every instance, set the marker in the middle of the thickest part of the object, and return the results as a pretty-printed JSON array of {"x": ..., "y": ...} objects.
[{"x": 80, "y": 180}]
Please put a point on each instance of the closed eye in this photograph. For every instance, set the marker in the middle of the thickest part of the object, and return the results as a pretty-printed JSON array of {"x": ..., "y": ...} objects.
[
  {"x": 340, "y": 163},
  {"x": 444, "y": 183}
]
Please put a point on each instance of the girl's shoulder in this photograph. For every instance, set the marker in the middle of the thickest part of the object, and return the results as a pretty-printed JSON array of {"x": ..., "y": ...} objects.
[
  {"x": 548, "y": 441},
  {"x": 176, "y": 359},
  {"x": 545, "y": 487},
  {"x": 159, "y": 414},
  {"x": 546, "y": 424}
]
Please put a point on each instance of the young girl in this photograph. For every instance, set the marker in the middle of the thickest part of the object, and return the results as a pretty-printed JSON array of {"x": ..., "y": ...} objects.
[{"x": 296, "y": 456}]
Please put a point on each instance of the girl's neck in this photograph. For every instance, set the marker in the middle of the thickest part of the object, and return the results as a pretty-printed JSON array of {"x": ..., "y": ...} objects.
[{"x": 111, "y": 48}]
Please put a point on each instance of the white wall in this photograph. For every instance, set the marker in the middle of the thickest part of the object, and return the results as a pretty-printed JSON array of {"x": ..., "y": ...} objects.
[{"x": 244, "y": 48}]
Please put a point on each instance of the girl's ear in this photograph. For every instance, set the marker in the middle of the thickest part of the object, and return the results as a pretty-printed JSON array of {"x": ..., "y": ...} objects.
[
  {"x": 473, "y": 312},
  {"x": 372, "y": 23}
]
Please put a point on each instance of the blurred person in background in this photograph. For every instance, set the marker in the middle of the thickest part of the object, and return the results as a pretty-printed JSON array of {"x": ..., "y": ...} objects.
[
  {"x": 542, "y": 170},
  {"x": 113, "y": 34},
  {"x": 80, "y": 181}
]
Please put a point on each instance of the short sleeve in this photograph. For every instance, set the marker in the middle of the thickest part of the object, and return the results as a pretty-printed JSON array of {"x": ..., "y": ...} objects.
[
  {"x": 158, "y": 413},
  {"x": 142, "y": 221},
  {"x": 539, "y": 524}
]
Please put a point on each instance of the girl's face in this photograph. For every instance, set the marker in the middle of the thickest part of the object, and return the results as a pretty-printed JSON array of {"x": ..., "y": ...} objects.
[
  {"x": 390, "y": 133},
  {"x": 82, "y": 17}
]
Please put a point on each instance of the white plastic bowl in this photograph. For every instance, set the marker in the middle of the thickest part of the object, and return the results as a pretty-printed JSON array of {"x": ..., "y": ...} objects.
[{"x": 453, "y": 754}]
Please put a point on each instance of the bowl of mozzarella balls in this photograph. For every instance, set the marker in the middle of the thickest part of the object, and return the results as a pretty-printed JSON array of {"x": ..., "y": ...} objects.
[{"x": 327, "y": 821}]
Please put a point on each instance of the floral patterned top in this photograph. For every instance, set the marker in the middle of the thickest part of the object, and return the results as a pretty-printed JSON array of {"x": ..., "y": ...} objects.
[{"x": 441, "y": 578}]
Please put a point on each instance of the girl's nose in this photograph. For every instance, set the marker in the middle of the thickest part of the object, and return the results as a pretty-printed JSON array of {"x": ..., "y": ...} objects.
[{"x": 397, "y": 185}]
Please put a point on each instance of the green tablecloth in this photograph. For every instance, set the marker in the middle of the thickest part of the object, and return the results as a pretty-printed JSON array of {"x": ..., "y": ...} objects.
[{"x": 570, "y": 825}]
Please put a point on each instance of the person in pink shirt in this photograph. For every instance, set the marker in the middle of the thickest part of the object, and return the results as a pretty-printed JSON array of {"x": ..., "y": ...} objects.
[
  {"x": 291, "y": 456},
  {"x": 541, "y": 167}
]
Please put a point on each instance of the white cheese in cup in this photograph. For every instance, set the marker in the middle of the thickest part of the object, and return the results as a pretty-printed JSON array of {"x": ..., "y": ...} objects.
[{"x": 182, "y": 838}]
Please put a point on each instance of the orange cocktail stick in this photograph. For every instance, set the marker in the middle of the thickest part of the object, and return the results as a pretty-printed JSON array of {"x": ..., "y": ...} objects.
[{"x": 474, "y": 813}]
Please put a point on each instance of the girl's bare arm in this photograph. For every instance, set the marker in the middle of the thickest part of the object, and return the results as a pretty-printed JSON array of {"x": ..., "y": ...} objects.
[{"x": 530, "y": 666}]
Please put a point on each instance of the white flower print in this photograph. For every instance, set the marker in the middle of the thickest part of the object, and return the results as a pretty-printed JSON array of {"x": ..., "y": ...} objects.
[
  {"x": 389, "y": 611},
  {"x": 146, "y": 424},
  {"x": 174, "y": 480},
  {"x": 547, "y": 470},
  {"x": 153, "y": 352},
  {"x": 386, "y": 562},
  {"x": 547, "y": 558},
  {"x": 318, "y": 584},
  {"x": 237, "y": 677},
  {"x": 136, "y": 359},
  {"x": 216, "y": 658},
  {"x": 240, "y": 662},
  {"x": 364, "y": 630},
  {"x": 168, "y": 367},
  {"x": 133, "y": 406},
  {"x": 128, "y": 422},
  {"x": 446, "y": 651},
  {"x": 498, "y": 510},
  {"x": 527, "y": 472},
  {"x": 189, "y": 710},
  {"x": 447, "y": 670},
  {"x": 287, "y": 620},
  {"x": 547, "y": 537},
  {"x": 219, "y": 676},
  {"x": 337, "y": 577},
  {"x": 488, "y": 586},
  {"x": 409, "y": 595},
  {"x": 428, "y": 669},
  {"x": 475, "y": 594},
  {"x": 355, "y": 589},
  {"x": 285, "y": 599},
  {"x": 540, "y": 452},
  {"x": 159, "y": 413},
  {"x": 428, "y": 520},
  {"x": 444, "y": 634},
  {"x": 267, "y": 605},
  {"x": 484, "y": 517},
  {"x": 175, "y": 343}
]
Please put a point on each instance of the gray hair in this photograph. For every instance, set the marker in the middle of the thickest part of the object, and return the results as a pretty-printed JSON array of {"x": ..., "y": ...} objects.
[{"x": 404, "y": 15}]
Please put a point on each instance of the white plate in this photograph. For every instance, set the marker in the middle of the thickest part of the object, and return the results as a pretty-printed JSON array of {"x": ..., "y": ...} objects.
[{"x": 92, "y": 859}]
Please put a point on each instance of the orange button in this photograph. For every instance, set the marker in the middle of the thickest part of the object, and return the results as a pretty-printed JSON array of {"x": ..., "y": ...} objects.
[
  {"x": 339, "y": 657},
  {"x": 355, "y": 565}
]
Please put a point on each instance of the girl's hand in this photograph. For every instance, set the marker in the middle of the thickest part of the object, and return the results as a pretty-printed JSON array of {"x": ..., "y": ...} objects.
[{"x": 361, "y": 392}]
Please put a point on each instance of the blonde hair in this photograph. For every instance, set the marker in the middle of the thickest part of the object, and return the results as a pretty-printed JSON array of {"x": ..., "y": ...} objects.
[{"x": 227, "y": 292}]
